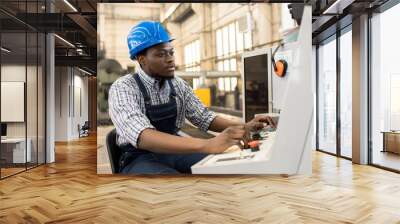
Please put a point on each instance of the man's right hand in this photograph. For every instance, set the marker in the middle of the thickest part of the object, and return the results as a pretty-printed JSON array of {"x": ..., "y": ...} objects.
[{"x": 230, "y": 136}]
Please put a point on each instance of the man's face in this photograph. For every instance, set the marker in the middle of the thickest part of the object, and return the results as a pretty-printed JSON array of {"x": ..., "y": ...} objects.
[{"x": 159, "y": 61}]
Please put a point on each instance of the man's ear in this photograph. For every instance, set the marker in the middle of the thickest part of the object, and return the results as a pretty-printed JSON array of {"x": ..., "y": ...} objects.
[{"x": 141, "y": 59}]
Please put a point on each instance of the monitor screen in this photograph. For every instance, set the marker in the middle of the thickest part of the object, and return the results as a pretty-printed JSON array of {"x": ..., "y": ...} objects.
[
  {"x": 255, "y": 85},
  {"x": 3, "y": 129}
]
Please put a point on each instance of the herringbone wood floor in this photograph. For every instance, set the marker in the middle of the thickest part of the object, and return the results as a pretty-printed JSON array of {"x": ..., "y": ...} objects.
[{"x": 70, "y": 191}]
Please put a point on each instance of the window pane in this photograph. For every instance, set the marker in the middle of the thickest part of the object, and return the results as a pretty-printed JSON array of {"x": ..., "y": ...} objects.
[
  {"x": 197, "y": 51},
  {"x": 221, "y": 84},
  {"x": 233, "y": 64},
  {"x": 219, "y": 43},
  {"x": 346, "y": 94},
  {"x": 247, "y": 40},
  {"x": 232, "y": 39},
  {"x": 327, "y": 97},
  {"x": 192, "y": 55},
  {"x": 187, "y": 54},
  {"x": 220, "y": 66},
  {"x": 385, "y": 88},
  {"x": 227, "y": 84},
  {"x": 394, "y": 101},
  {"x": 225, "y": 40},
  {"x": 226, "y": 65},
  {"x": 234, "y": 83},
  {"x": 239, "y": 38}
]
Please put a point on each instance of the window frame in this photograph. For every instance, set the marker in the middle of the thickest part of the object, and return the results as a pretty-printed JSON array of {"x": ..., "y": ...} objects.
[{"x": 334, "y": 37}]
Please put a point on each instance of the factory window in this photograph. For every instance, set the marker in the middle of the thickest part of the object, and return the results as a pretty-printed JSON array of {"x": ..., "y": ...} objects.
[
  {"x": 192, "y": 56},
  {"x": 227, "y": 84},
  {"x": 196, "y": 83},
  {"x": 230, "y": 41}
]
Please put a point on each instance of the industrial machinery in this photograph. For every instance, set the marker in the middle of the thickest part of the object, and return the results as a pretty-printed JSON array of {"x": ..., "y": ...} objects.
[{"x": 286, "y": 150}]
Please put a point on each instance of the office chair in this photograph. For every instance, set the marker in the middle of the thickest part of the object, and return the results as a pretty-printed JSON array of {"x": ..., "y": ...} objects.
[
  {"x": 114, "y": 152},
  {"x": 86, "y": 126},
  {"x": 84, "y": 130}
]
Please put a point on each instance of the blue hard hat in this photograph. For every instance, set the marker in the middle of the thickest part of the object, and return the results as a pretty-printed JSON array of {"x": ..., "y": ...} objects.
[{"x": 144, "y": 35}]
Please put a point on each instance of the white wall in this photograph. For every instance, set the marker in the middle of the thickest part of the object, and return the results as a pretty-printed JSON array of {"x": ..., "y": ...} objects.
[
  {"x": 314, "y": 86},
  {"x": 79, "y": 117},
  {"x": 61, "y": 103},
  {"x": 12, "y": 73},
  {"x": 67, "y": 115}
]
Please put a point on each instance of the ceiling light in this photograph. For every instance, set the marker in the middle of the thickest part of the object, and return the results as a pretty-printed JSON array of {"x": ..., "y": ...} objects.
[
  {"x": 79, "y": 51},
  {"x": 5, "y": 50},
  {"x": 70, "y": 5},
  {"x": 64, "y": 40}
]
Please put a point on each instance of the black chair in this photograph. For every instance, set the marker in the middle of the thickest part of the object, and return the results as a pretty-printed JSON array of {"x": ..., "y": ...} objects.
[
  {"x": 84, "y": 130},
  {"x": 86, "y": 126},
  {"x": 114, "y": 151}
]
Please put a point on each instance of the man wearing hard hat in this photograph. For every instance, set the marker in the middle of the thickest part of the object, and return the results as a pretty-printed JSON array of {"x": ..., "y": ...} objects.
[{"x": 149, "y": 107}]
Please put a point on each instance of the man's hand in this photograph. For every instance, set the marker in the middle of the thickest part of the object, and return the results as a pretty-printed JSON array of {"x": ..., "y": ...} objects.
[
  {"x": 220, "y": 124},
  {"x": 230, "y": 136},
  {"x": 259, "y": 122}
]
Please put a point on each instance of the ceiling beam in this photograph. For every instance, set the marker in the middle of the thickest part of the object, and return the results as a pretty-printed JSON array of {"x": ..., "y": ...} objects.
[
  {"x": 86, "y": 27},
  {"x": 81, "y": 61}
]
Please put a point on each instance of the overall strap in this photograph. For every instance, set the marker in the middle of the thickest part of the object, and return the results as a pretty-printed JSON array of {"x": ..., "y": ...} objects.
[
  {"x": 172, "y": 89},
  {"x": 142, "y": 89}
]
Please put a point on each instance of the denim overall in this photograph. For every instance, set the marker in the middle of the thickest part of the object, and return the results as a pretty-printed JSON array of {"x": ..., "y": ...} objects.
[{"x": 163, "y": 118}]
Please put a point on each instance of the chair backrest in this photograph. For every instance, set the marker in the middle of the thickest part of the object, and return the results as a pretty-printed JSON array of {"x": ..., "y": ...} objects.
[
  {"x": 86, "y": 125},
  {"x": 114, "y": 152}
]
